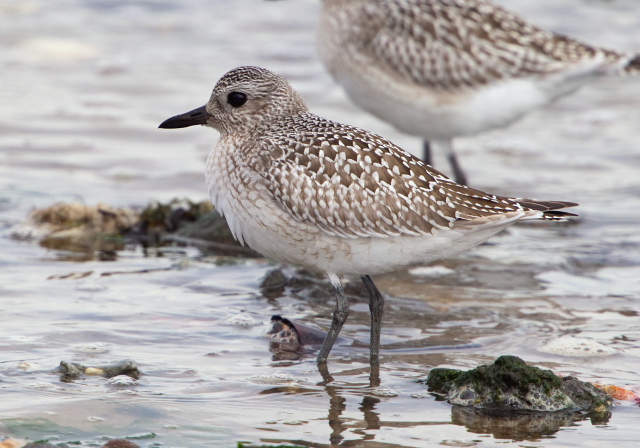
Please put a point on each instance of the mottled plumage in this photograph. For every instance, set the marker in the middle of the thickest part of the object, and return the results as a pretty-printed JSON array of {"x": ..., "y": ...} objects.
[
  {"x": 351, "y": 183},
  {"x": 308, "y": 191},
  {"x": 440, "y": 69}
]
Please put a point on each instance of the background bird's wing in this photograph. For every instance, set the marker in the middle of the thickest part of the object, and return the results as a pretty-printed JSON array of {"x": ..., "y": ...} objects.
[{"x": 446, "y": 45}]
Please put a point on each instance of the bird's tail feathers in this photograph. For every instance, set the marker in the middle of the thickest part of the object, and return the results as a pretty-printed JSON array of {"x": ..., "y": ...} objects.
[
  {"x": 558, "y": 216},
  {"x": 550, "y": 209}
]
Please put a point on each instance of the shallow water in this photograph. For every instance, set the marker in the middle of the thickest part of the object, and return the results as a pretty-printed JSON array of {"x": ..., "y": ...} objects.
[{"x": 87, "y": 83}]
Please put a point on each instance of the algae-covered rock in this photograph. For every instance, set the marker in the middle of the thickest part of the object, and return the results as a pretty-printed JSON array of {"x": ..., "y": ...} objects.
[
  {"x": 86, "y": 232},
  {"x": 71, "y": 370},
  {"x": 60, "y": 218},
  {"x": 509, "y": 385},
  {"x": 79, "y": 228}
]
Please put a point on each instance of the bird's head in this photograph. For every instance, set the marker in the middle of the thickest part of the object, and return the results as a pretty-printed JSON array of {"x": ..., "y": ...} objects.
[{"x": 243, "y": 100}]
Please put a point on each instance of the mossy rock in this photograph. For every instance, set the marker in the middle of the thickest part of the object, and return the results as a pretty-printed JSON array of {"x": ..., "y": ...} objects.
[{"x": 510, "y": 385}]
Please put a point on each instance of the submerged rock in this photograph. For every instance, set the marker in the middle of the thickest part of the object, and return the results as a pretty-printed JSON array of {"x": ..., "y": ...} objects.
[
  {"x": 510, "y": 385},
  {"x": 71, "y": 370}
]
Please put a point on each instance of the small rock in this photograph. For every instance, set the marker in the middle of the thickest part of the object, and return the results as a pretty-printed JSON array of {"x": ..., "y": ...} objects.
[
  {"x": 383, "y": 391},
  {"x": 273, "y": 283},
  {"x": 71, "y": 370}
]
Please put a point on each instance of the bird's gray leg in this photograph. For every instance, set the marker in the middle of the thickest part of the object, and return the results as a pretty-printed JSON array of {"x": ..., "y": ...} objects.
[
  {"x": 376, "y": 306},
  {"x": 339, "y": 317},
  {"x": 426, "y": 152}
]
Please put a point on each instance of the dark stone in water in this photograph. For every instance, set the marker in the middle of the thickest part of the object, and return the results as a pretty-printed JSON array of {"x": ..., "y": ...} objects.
[
  {"x": 273, "y": 284},
  {"x": 509, "y": 385}
]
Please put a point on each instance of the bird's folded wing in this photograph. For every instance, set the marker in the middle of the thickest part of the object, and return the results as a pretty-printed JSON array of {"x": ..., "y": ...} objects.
[{"x": 353, "y": 184}]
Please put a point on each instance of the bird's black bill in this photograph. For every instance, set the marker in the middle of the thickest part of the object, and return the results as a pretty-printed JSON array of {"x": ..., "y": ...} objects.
[{"x": 191, "y": 118}]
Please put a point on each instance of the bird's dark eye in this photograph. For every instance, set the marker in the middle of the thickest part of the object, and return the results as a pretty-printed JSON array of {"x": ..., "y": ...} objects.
[{"x": 237, "y": 99}]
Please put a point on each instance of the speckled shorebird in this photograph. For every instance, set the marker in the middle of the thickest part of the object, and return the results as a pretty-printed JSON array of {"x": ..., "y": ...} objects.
[
  {"x": 333, "y": 198},
  {"x": 440, "y": 69}
]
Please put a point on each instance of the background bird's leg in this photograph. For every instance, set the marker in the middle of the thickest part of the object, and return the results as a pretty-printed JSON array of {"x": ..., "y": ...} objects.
[
  {"x": 339, "y": 317},
  {"x": 376, "y": 306},
  {"x": 458, "y": 174},
  {"x": 426, "y": 152}
]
